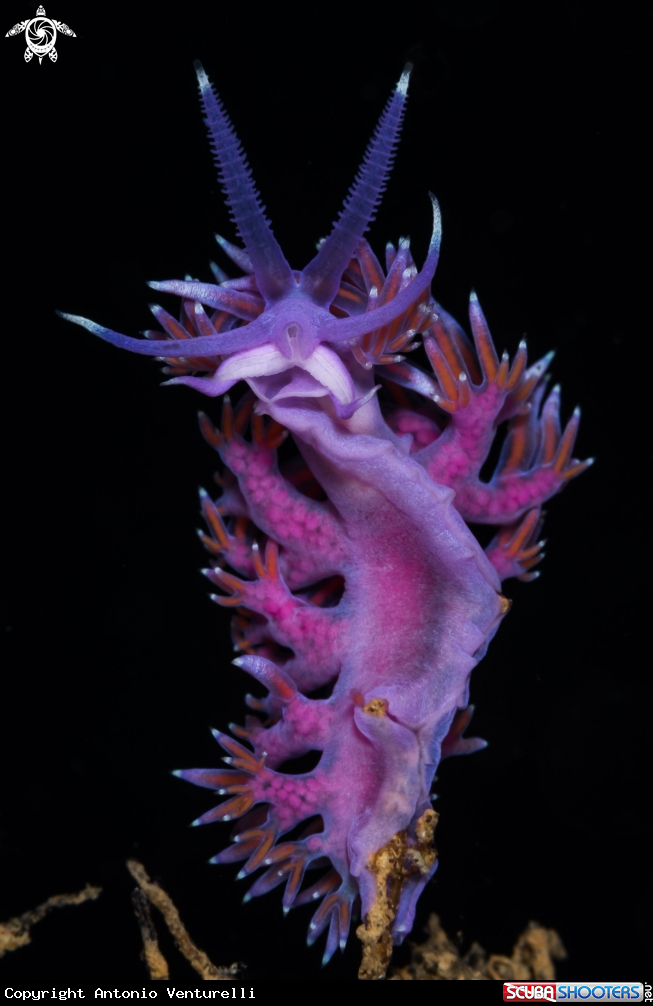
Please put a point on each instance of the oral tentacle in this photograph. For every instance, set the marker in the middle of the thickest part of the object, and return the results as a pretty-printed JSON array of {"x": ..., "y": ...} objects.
[
  {"x": 254, "y": 334},
  {"x": 355, "y": 327}
]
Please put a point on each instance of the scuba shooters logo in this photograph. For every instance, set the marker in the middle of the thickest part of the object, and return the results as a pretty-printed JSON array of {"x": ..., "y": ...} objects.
[
  {"x": 40, "y": 35},
  {"x": 572, "y": 992}
]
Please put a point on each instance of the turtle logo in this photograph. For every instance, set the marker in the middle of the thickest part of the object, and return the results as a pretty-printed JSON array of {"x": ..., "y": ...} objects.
[{"x": 40, "y": 35}]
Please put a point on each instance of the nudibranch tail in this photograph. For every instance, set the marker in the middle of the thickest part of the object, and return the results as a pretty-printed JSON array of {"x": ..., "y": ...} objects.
[{"x": 362, "y": 600}]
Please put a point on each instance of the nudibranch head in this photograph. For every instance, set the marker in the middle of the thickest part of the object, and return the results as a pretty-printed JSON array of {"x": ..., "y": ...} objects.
[{"x": 296, "y": 333}]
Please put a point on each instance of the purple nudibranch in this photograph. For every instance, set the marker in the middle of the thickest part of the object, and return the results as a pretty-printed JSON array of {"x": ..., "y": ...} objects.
[{"x": 352, "y": 565}]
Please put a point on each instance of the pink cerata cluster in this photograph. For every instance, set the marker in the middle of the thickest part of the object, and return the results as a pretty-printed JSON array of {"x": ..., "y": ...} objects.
[{"x": 362, "y": 599}]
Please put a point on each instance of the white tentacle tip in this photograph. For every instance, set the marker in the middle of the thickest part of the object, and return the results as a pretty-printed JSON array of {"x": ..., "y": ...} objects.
[
  {"x": 436, "y": 234},
  {"x": 203, "y": 80},
  {"x": 402, "y": 83}
]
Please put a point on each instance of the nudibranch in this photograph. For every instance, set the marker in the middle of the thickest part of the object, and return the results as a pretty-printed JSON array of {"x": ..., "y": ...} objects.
[{"x": 362, "y": 599}]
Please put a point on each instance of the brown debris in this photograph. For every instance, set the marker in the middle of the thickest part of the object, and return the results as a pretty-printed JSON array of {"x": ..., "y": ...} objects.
[
  {"x": 155, "y": 894},
  {"x": 392, "y": 865},
  {"x": 377, "y": 707},
  {"x": 438, "y": 959},
  {"x": 15, "y": 932},
  {"x": 157, "y": 965}
]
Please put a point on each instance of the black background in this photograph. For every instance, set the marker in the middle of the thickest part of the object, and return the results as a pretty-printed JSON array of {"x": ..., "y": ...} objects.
[{"x": 528, "y": 122}]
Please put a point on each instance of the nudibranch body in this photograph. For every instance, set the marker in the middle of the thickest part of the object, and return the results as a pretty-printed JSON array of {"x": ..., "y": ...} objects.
[{"x": 353, "y": 570}]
